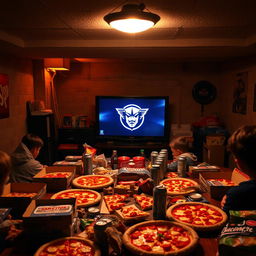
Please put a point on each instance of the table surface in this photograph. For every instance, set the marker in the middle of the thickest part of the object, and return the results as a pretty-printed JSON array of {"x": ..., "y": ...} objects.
[{"x": 207, "y": 246}]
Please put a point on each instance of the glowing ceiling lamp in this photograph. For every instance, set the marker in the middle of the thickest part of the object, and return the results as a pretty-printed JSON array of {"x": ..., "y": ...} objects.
[
  {"x": 132, "y": 19},
  {"x": 62, "y": 64}
]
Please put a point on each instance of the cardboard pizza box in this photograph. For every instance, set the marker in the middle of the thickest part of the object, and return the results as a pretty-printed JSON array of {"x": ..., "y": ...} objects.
[
  {"x": 77, "y": 164},
  {"x": 19, "y": 204},
  {"x": 56, "y": 184},
  {"x": 217, "y": 191},
  {"x": 195, "y": 170},
  {"x": 49, "y": 224}
]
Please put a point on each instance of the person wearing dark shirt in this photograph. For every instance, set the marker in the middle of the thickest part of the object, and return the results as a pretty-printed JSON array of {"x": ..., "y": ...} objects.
[
  {"x": 242, "y": 145},
  {"x": 24, "y": 163}
]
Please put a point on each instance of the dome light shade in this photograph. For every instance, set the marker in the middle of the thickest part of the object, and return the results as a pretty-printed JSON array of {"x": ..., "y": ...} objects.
[{"x": 132, "y": 19}]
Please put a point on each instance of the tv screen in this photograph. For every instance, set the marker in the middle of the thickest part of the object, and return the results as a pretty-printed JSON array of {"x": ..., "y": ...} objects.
[{"x": 132, "y": 117}]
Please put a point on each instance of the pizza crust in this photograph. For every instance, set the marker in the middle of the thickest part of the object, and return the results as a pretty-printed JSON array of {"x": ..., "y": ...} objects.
[
  {"x": 100, "y": 186},
  {"x": 88, "y": 242},
  {"x": 198, "y": 227},
  {"x": 184, "y": 251},
  {"x": 97, "y": 199},
  {"x": 181, "y": 192}
]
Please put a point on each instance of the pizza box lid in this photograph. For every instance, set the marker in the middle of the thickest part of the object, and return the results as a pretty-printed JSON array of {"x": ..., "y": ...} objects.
[
  {"x": 218, "y": 190},
  {"x": 59, "y": 183},
  {"x": 195, "y": 170},
  {"x": 19, "y": 204},
  {"x": 55, "y": 216},
  {"x": 78, "y": 165}
]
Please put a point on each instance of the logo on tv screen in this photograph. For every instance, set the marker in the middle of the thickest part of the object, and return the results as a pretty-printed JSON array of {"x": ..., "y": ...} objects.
[{"x": 132, "y": 116}]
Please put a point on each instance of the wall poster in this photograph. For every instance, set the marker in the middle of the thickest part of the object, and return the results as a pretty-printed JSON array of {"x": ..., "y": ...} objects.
[
  {"x": 4, "y": 96},
  {"x": 240, "y": 93}
]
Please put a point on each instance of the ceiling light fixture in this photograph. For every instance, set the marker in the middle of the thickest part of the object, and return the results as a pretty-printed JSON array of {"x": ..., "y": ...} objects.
[
  {"x": 132, "y": 19},
  {"x": 62, "y": 64}
]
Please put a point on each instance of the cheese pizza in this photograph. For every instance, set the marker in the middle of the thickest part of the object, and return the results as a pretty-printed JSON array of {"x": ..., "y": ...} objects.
[
  {"x": 171, "y": 175},
  {"x": 160, "y": 237},
  {"x": 115, "y": 202},
  {"x": 145, "y": 202},
  {"x": 56, "y": 175},
  {"x": 179, "y": 186},
  {"x": 71, "y": 246},
  {"x": 93, "y": 181},
  {"x": 84, "y": 197},
  {"x": 200, "y": 216}
]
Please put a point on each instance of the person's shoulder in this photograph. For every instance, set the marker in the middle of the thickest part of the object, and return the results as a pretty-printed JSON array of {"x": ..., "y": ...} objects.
[{"x": 244, "y": 187}]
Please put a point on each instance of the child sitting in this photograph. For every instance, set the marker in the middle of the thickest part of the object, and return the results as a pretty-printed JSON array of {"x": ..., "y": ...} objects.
[
  {"x": 242, "y": 145},
  {"x": 180, "y": 148}
]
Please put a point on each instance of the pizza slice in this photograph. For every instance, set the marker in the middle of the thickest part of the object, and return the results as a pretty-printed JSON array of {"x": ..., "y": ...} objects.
[
  {"x": 132, "y": 212},
  {"x": 145, "y": 202},
  {"x": 115, "y": 202}
]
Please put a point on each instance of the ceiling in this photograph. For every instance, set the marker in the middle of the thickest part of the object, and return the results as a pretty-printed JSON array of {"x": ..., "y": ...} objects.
[{"x": 188, "y": 29}]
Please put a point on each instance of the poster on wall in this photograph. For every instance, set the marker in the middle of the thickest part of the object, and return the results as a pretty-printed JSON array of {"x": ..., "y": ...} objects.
[
  {"x": 240, "y": 93},
  {"x": 254, "y": 99},
  {"x": 4, "y": 96}
]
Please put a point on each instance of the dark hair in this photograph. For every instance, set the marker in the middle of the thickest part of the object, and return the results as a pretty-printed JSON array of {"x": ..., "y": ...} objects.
[
  {"x": 180, "y": 143},
  {"x": 32, "y": 141},
  {"x": 5, "y": 167},
  {"x": 242, "y": 144}
]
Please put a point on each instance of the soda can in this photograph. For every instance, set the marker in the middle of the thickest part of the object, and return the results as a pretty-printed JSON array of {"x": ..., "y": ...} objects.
[
  {"x": 87, "y": 164},
  {"x": 182, "y": 167},
  {"x": 93, "y": 212},
  {"x": 101, "y": 236},
  {"x": 155, "y": 174},
  {"x": 159, "y": 202},
  {"x": 153, "y": 157}
]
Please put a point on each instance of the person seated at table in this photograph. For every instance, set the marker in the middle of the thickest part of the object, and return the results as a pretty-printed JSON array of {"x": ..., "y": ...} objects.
[
  {"x": 8, "y": 230},
  {"x": 24, "y": 164},
  {"x": 242, "y": 145},
  {"x": 180, "y": 148}
]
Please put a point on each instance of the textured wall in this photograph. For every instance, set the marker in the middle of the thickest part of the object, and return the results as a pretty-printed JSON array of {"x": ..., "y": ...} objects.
[{"x": 20, "y": 90}]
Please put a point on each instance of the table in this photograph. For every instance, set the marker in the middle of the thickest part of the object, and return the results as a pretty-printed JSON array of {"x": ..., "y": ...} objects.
[{"x": 208, "y": 244}]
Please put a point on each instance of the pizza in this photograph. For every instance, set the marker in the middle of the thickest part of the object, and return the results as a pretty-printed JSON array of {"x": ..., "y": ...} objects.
[
  {"x": 93, "y": 181},
  {"x": 200, "y": 216},
  {"x": 145, "y": 202},
  {"x": 131, "y": 213},
  {"x": 72, "y": 246},
  {"x": 115, "y": 202},
  {"x": 20, "y": 194},
  {"x": 56, "y": 175},
  {"x": 221, "y": 182},
  {"x": 171, "y": 175},
  {"x": 160, "y": 237},
  {"x": 84, "y": 197},
  {"x": 179, "y": 186}
]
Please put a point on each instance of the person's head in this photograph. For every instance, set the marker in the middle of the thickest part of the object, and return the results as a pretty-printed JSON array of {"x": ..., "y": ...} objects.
[
  {"x": 5, "y": 168},
  {"x": 179, "y": 145},
  {"x": 33, "y": 143},
  {"x": 242, "y": 145}
]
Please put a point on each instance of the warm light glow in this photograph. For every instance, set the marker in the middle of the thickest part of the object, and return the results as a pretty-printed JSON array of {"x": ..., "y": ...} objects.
[
  {"x": 132, "y": 25},
  {"x": 61, "y": 64}
]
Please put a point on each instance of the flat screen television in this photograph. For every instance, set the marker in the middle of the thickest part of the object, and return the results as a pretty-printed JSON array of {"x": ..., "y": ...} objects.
[{"x": 132, "y": 118}]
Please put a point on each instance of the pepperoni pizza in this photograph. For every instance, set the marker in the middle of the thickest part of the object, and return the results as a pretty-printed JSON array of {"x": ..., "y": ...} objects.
[
  {"x": 200, "y": 216},
  {"x": 84, "y": 197},
  {"x": 145, "y": 202},
  {"x": 115, "y": 202},
  {"x": 20, "y": 194},
  {"x": 71, "y": 246},
  {"x": 56, "y": 175},
  {"x": 160, "y": 237},
  {"x": 93, "y": 181},
  {"x": 179, "y": 186}
]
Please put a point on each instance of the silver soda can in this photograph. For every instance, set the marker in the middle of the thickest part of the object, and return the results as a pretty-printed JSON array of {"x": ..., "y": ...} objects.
[
  {"x": 153, "y": 157},
  {"x": 93, "y": 212},
  {"x": 159, "y": 202},
  {"x": 182, "y": 166},
  {"x": 87, "y": 164},
  {"x": 155, "y": 174}
]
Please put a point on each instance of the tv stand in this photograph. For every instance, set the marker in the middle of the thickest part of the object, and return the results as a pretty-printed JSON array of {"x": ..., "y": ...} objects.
[{"x": 129, "y": 148}]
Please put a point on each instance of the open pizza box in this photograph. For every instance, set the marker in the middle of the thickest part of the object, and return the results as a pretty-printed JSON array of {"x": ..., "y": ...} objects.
[
  {"x": 77, "y": 164},
  {"x": 218, "y": 191},
  {"x": 195, "y": 170},
  {"x": 56, "y": 184},
  {"x": 20, "y": 203},
  {"x": 53, "y": 217}
]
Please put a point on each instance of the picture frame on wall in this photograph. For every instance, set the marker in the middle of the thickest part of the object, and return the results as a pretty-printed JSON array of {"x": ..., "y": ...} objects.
[
  {"x": 240, "y": 93},
  {"x": 4, "y": 96}
]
